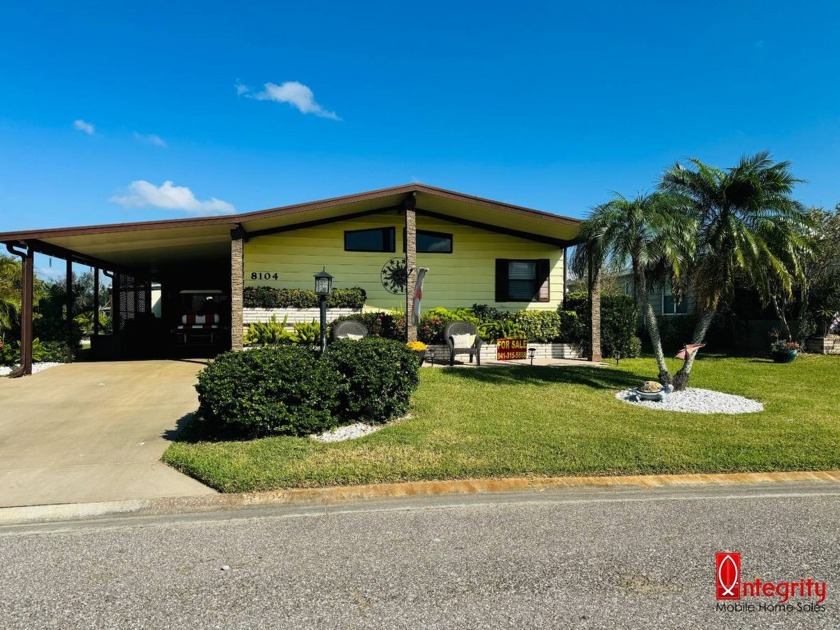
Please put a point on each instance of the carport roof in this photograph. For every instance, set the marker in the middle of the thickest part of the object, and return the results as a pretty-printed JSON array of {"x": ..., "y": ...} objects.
[{"x": 153, "y": 245}]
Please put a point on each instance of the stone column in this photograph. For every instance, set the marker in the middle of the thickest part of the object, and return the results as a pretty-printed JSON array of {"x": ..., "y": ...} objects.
[
  {"x": 595, "y": 311},
  {"x": 410, "y": 265},
  {"x": 237, "y": 286}
]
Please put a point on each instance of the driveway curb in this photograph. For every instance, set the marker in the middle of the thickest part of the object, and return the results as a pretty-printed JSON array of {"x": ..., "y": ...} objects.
[{"x": 335, "y": 495}]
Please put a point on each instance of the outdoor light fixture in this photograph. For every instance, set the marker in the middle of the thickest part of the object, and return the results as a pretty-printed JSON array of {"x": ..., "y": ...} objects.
[
  {"x": 323, "y": 282},
  {"x": 323, "y": 286},
  {"x": 531, "y": 353}
]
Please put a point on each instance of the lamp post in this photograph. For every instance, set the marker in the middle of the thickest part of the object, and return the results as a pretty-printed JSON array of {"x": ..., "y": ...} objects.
[{"x": 323, "y": 286}]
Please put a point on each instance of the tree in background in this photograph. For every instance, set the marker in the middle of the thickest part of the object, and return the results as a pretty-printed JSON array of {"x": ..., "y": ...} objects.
[
  {"x": 10, "y": 277},
  {"x": 820, "y": 285},
  {"x": 747, "y": 223},
  {"x": 51, "y": 311}
]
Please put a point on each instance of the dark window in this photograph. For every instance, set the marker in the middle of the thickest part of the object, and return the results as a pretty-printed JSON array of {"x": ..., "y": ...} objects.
[
  {"x": 522, "y": 280},
  {"x": 375, "y": 240},
  {"x": 432, "y": 242},
  {"x": 672, "y": 305}
]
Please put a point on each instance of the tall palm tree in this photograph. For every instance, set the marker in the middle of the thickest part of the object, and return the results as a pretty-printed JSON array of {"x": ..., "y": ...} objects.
[
  {"x": 747, "y": 223},
  {"x": 650, "y": 233}
]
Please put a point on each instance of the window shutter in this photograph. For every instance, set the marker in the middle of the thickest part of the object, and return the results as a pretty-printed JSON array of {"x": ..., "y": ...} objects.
[
  {"x": 543, "y": 280},
  {"x": 501, "y": 279}
]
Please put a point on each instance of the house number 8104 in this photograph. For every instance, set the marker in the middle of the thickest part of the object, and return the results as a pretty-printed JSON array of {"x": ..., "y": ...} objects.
[{"x": 260, "y": 275}]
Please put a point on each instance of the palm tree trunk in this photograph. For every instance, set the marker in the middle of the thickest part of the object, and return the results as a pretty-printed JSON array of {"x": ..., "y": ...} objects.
[
  {"x": 681, "y": 378},
  {"x": 652, "y": 326}
]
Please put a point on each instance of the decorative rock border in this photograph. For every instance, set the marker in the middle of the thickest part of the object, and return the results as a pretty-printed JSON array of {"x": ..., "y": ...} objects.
[{"x": 694, "y": 400}]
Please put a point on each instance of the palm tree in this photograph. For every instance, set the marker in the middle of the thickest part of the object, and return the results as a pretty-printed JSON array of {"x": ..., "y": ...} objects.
[
  {"x": 649, "y": 232},
  {"x": 9, "y": 292},
  {"x": 747, "y": 224}
]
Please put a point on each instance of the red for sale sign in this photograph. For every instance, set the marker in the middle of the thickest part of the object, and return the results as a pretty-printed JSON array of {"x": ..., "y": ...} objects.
[{"x": 510, "y": 349}]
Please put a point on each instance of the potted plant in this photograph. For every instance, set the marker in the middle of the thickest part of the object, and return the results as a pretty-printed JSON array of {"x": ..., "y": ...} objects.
[
  {"x": 784, "y": 351},
  {"x": 419, "y": 348}
]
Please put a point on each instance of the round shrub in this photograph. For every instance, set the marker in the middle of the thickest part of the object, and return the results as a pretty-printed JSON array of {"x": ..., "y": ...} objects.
[
  {"x": 380, "y": 375},
  {"x": 283, "y": 390}
]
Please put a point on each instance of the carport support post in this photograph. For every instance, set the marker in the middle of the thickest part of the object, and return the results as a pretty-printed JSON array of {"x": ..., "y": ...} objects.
[
  {"x": 116, "y": 313},
  {"x": 68, "y": 285},
  {"x": 595, "y": 311},
  {"x": 95, "y": 301},
  {"x": 27, "y": 259},
  {"x": 410, "y": 265},
  {"x": 237, "y": 286}
]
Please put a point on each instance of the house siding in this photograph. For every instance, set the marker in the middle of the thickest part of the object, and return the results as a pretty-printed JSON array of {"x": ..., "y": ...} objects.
[{"x": 462, "y": 278}]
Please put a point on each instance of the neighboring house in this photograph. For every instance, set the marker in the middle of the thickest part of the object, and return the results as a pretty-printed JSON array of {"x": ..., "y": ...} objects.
[
  {"x": 477, "y": 251},
  {"x": 660, "y": 296}
]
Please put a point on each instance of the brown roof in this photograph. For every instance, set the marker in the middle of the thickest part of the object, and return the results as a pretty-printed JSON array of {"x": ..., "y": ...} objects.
[{"x": 206, "y": 237}]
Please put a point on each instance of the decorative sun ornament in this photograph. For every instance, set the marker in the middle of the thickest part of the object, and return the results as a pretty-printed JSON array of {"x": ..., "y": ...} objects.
[{"x": 394, "y": 277}]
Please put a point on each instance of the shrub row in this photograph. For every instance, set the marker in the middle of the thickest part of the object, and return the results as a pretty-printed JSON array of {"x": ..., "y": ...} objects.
[
  {"x": 48, "y": 351},
  {"x": 295, "y": 390},
  {"x": 269, "y": 297},
  {"x": 618, "y": 324}
]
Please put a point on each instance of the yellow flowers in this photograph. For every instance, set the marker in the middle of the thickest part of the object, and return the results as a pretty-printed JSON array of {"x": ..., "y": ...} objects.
[{"x": 417, "y": 346}]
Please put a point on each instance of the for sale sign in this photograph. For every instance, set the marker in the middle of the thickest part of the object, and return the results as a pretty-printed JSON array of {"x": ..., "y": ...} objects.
[{"x": 510, "y": 349}]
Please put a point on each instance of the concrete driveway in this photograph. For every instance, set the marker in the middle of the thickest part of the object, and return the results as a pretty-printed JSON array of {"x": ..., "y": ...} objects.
[{"x": 89, "y": 432}]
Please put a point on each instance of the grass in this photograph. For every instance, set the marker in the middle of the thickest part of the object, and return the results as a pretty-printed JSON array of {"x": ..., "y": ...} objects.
[{"x": 546, "y": 421}]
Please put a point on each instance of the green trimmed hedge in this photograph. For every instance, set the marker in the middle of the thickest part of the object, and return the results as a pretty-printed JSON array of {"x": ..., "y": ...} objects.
[
  {"x": 380, "y": 377},
  {"x": 282, "y": 390},
  {"x": 295, "y": 390},
  {"x": 269, "y": 297},
  {"x": 379, "y": 325},
  {"x": 619, "y": 322}
]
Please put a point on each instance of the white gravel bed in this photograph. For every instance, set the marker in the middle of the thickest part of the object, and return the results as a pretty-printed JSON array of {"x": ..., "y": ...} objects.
[
  {"x": 36, "y": 367},
  {"x": 349, "y": 432},
  {"x": 694, "y": 400}
]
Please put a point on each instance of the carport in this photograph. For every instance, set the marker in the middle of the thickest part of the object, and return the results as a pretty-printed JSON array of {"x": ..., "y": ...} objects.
[{"x": 180, "y": 254}]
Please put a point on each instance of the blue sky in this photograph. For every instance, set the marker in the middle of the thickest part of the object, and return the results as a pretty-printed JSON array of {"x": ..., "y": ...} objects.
[{"x": 257, "y": 104}]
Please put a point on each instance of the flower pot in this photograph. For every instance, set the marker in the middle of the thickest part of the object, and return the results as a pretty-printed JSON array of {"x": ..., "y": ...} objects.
[
  {"x": 783, "y": 356},
  {"x": 421, "y": 355}
]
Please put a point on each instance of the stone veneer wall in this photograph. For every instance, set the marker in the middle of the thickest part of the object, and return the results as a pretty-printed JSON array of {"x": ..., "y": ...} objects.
[
  {"x": 296, "y": 315},
  {"x": 543, "y": 351},
  {"x": 823, "y": 345}
]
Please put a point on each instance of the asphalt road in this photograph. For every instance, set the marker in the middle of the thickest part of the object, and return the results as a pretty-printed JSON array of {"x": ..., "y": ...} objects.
[{"x": 585, "y": 558}]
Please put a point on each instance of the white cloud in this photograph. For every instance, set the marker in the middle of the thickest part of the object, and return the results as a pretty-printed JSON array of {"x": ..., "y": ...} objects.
[
  {"x": 86, "y": 127},
  {"x": 151, "y": 138},
  {"x": 295, "y": 94},
  {"x": 143, "y": 194}
]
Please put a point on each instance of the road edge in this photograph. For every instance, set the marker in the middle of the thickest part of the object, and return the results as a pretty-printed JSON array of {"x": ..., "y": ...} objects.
[{"x": 342, "y": 494}]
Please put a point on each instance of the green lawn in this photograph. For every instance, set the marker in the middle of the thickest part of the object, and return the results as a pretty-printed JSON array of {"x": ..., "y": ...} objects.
[{"x": 516, "y": 421}]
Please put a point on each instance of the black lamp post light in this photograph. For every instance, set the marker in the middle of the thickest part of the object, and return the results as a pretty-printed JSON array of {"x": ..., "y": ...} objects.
[
  {"x": 531, "y": 353},
  {"x": 323, "y": 286}
]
